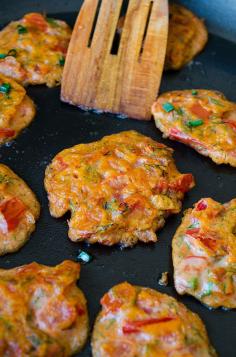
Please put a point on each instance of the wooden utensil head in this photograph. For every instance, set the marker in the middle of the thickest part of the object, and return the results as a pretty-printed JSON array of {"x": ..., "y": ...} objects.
[{"x": 112, "y": 72}]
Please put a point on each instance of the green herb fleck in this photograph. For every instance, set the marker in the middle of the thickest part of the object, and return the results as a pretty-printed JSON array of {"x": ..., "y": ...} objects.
[
  {"x": 2, "y": 56},
  {"x": 52, "y": 21},
  {"x": 105, "y": 227},
  {"x": 195, "y": 224},
  {"x": 35, "y": 340},
  {"x": 84, "y": 257},
  {"x": 91, "y": 173},
  {"x": 21, "y": 29},
  {"x": 72, "y": 207},
  {"x": 61, "y": 61},
  {"x": 113, "y": 206},
  {"x": 194, "y": 123},
  {"x": 110, "y": 205},
  {"x": 5, "y": 88},
  {"x": 168, "y": 107},
  {"x": 6, "y": 323},
  {"x": 12, "y": 52},
  {"x": 193, "y": 283},
  {"x": 194, "y": 92},
  {"x": 215, "y": 101},
  {"x": 179, "y": 111},
  {"x": 110, "y": 323}
]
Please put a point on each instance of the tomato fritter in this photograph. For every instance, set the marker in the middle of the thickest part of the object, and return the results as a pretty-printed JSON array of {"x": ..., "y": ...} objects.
[
  {"x": 141, "y": 322},
  {"x": 204, "y": 253},
  {"x": 33, "y": 49},
  {"x": 187, "y": 37},
  {"x": 43, "y": 312},
  {"x": 17, "y": 110},
  {"x": 119, "y": 189},
  {"x": 19, "y": 209},
  {"x": 202, "y": 119}
]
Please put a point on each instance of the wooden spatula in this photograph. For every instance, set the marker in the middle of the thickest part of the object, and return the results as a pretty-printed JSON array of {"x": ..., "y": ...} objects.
[{"x": 116, "y": 75}]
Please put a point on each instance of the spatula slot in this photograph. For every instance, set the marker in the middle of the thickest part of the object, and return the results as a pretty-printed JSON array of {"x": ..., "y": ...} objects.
[
  {"x": 118, "y": 32},
  {"x": 94, "y": 23},
  {"x": 146, "y": 29}
]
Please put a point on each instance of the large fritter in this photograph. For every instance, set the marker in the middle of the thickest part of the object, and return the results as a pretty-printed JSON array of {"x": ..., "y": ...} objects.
[
  {"x": 33, "y": 49},
  {"x": 202, "y": 119},
  {"x": 43, "y": 313},
  {"x": 187, "y": 37},
  {"x": 141, "y": 322},
  {"x": 119, "y": 189},
  {"x": 17, "y": 110},
  {"x": 19, "y": 209},
  {"x": 204, "y": 253}
]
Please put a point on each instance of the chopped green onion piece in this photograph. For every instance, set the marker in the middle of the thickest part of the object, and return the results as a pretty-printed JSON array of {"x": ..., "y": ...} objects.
[
  {"x": 215, "y": 101},
  {"x": 194, "y": 123},
  {"x": 168, "y": 107},
  {"x": 12, "y": 52},
  {"x": 62, "y": 61},
  {"x": 2, "y": 56},
  {"x": 83, "y": 257},
  {"x": 193, "y": 283},
  {"x": 5, "y": 88},
  {"x": 21, "y": 29},
  {"x": 194, "y": 92}
]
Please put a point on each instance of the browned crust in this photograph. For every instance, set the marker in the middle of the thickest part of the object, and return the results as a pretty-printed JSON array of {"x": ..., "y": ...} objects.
[{"x": 192, "y": 46}]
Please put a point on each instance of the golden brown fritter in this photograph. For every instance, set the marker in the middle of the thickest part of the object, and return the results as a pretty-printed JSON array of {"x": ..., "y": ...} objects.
[
  {"x": 141, "y": 322},
  {"x": 119, "y": 189},
  {"x": 17, "y": 110},
  {"x": 43, "y": 313},
  {"x": 202, "y": 119},
  {"x": 19, "y": 210},
  {"x": 204, "y": 253},
  {"x": 187, "y": 37},
  {"x": 33, "y": 49}
]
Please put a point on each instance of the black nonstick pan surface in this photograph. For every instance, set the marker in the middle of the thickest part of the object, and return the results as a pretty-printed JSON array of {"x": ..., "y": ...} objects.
[{"x": 58, "y": 126}]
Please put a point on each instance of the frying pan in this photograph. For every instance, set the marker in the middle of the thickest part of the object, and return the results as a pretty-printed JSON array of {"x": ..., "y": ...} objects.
[{"x": 58, "y": 126}]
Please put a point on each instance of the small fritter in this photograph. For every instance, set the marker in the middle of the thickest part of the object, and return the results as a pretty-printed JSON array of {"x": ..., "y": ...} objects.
[
  {"x": 19, "y": 209},
  {"x": 17, "y": 110},
  {"x": 187, "y": 37},
  {"x": 33, "y": 49},
  {"x": 202, "y": 119},
  {"x": 119, "y": 189},
  {"x": 204, "y": 253},
  {"x": 43, "y": 312},
  {"x": 141, "y": 322}
]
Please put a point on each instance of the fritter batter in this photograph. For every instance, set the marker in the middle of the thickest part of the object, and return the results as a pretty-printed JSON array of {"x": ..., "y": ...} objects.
[
  {"x": 187, "y": 37},
  {"x": 119, "y": 189},
  {"x": 19, "y": 210},
  {"x": 17, "y": 110},
  {"x": 141, "y": 322},
  {"x": 204, "y": 253},
  {"x": 33, "y": 49},
  {"x": 202, "y": 119},
  {"x": 43, "y": 312}
]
